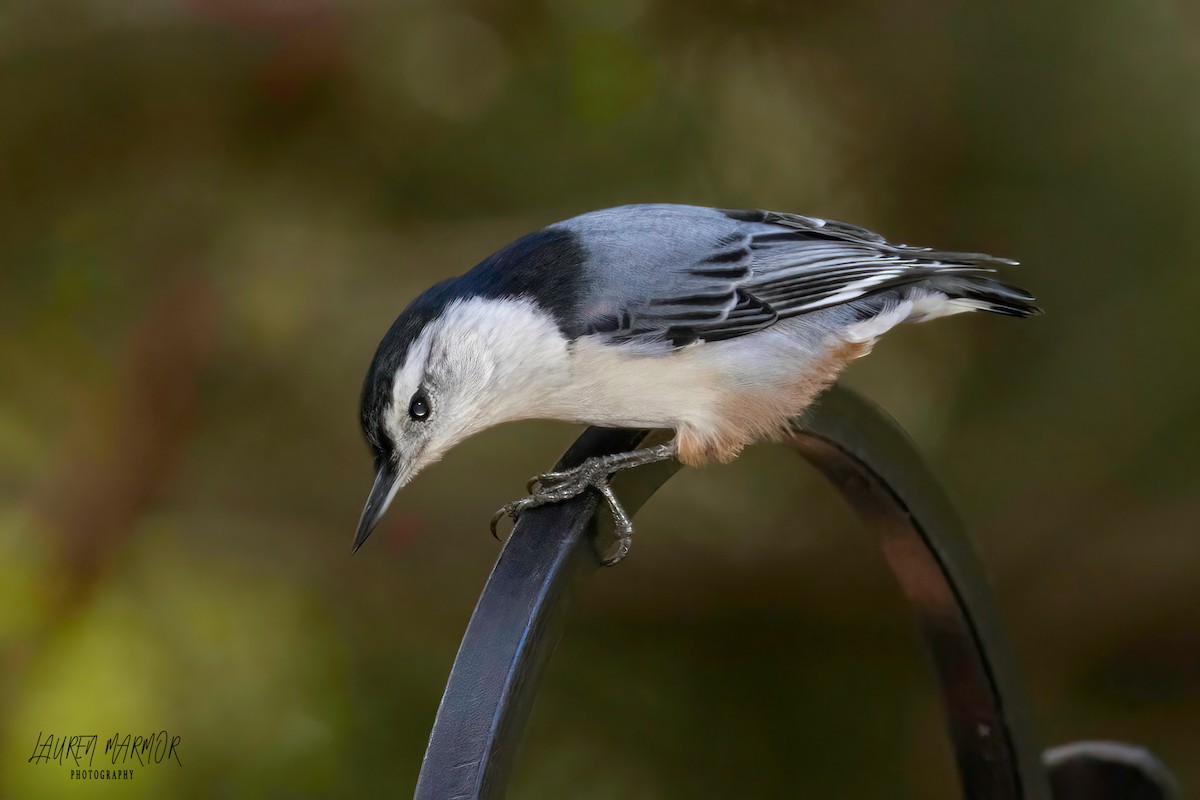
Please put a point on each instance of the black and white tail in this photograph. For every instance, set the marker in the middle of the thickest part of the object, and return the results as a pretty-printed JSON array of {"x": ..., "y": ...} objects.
[
  {"x": 952, "y": 288},
  {"x": 980, "y": 293}
]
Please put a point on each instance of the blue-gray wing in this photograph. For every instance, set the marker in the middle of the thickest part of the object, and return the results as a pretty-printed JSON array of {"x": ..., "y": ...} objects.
[{"x": 678, "y": 274}]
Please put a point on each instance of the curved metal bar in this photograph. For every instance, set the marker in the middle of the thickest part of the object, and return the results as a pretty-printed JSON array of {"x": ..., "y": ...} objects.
[
  {"x": 517, "y": 622},
  {"x": 864, "y": 453},
  {"x": 875, "y": 466}
]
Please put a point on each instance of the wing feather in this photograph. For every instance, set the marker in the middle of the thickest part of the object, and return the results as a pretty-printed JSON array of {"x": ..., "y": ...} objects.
[{"x": 731, "y": 273}]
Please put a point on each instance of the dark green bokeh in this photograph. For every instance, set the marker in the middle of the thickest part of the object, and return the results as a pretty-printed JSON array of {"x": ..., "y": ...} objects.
[{"x": 211, "y": 210}]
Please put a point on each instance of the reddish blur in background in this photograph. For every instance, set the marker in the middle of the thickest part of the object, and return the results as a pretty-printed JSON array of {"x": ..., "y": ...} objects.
[{"x": 211, "y": 210}]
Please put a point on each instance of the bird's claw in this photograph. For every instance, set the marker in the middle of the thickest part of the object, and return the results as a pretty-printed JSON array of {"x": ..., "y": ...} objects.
[
  {"x": 513, "y": 511},
  {"x": 622, "y": 524},
  {"x": 554, "y": 487},
  {"x": 503, "y": 511}
]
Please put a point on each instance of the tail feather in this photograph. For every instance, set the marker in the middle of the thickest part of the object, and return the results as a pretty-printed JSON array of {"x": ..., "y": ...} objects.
[
  {"x": 935, "y": 297},
  {"x": 985, "y": 294}
]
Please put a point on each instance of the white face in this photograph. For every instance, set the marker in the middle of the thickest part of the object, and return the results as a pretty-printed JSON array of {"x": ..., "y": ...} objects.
[
  {"x": 482, "y": 362},
  {"x": 439, "y": 396}
]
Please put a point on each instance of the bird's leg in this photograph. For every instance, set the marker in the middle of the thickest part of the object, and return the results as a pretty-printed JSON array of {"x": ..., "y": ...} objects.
[
  {"x": 608, "y": 465},
  {"x": 594, "y": 473}
]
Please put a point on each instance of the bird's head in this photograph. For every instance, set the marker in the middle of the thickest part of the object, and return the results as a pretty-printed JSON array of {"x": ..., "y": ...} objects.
[{"x": 448, "y": 368}]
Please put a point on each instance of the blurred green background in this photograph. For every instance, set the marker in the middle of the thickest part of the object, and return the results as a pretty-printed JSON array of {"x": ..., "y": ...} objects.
[{"x": 211, "y": 210}]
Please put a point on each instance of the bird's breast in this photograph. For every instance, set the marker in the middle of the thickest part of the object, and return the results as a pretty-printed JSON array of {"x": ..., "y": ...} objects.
[{"x": 626, "y": 387}]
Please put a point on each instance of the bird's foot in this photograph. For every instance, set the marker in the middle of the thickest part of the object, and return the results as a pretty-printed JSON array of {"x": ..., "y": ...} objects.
[{"x": 594, "y": 473}]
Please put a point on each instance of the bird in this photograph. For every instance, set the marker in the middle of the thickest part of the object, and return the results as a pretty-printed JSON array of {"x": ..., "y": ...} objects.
[{"x": 720, "y": 325}]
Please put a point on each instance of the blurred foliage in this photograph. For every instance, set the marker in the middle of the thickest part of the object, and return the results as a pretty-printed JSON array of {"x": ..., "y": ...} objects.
[{"x": 210, "y": 211}]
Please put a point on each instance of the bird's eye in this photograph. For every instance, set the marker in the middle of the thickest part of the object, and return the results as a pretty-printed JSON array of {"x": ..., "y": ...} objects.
[{"x": 418, "y": 409}]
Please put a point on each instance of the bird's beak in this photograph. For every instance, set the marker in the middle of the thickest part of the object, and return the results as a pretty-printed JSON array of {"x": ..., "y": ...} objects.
[{"x": 387, "y": 482}]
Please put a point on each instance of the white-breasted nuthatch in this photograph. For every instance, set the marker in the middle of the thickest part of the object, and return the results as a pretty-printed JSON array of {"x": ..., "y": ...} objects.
[{"x": 721, "y": 325}]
